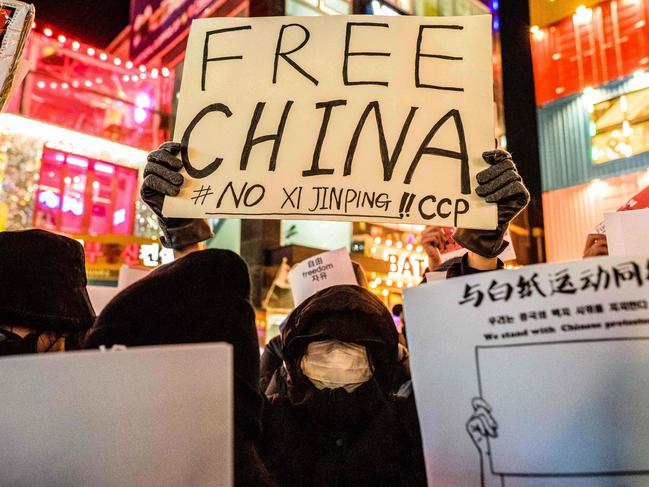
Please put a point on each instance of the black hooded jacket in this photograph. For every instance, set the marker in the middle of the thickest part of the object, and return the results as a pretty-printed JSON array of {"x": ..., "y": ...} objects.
[
  {"x": 327, "y": 437},
  {"x": 202, "y": 297}
]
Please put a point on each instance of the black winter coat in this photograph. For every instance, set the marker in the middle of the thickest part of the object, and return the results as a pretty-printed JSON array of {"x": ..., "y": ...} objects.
[{"x": 319, "y": 438}]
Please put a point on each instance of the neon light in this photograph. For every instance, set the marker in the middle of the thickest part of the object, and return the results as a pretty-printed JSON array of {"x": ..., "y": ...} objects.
[
  {"x": 49, "y": 199},
  {"x": 139, "y": 114},
  {"x": 58, "y": 138},
  {"x": 119, "y": 216},
  {"x": 105, "y": 168},
  {"x": 72, "y": 205},
  {"x": 77, "y": 161}
]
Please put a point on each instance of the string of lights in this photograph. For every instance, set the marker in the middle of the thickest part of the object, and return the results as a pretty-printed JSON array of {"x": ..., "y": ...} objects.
[{"x": 132, "y": 72}]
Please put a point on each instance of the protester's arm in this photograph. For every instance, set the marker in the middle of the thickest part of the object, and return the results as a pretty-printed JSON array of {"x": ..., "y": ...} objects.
[
  {"x": 431, "y": 240},
  {"x": 500, "y": 184},
  {"x": 161, "y": 178}
]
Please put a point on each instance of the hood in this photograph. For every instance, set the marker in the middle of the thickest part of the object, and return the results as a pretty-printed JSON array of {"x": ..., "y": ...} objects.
[
  {"x": 202, "y": 297},
  {"x": 346, "y": 313},
  {"x": 43, "y": 282}
]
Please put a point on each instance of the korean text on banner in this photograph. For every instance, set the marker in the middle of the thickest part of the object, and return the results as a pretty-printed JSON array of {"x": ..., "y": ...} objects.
[
  {"x": 336, "y": 118},
  {"x": 150, "y": 416},
  {"x": 534, "y": 377},
  {"x": 319, "y": 272}
]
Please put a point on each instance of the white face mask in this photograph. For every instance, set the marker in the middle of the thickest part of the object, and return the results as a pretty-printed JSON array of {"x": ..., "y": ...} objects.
[{"x": 330, "y": 364}]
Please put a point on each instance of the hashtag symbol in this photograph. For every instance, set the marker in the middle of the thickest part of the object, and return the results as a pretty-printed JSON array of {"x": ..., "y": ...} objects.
[{"x": 201, "y": 194}]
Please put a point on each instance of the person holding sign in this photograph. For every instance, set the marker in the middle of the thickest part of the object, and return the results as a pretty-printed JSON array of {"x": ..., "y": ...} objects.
[
  {"x": 339, "y": 422},
  {"x": 212, "y": 304},
  {"x": 500, "y": 183}
]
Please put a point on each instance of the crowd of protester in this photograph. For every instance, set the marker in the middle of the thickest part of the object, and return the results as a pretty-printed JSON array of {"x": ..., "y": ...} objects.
[{"x": 329, "y": 402}]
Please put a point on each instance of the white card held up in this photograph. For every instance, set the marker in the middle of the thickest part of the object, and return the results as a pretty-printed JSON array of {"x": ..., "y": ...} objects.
[
  {"x": 336, "y": 118},
  {"x": 534, "y": 377},
  {"x": 627, "y": 232},
  {"x": 319, "y": 272},
  {"x": 146, "y": 417}
]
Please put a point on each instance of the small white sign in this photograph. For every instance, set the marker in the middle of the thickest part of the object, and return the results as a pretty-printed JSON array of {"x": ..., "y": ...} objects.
[
  {"x": 319, "y": 272},
  {"x": 627, "y": 232}
]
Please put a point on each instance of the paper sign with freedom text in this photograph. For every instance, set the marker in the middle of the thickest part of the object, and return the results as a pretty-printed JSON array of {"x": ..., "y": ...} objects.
[
  {"x": 336, "y": 118},
  {"x": 320, "y": 272}
]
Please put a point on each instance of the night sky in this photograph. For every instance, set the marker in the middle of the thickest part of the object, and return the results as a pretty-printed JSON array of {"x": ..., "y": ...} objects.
[{"x": 95, "y": 22}]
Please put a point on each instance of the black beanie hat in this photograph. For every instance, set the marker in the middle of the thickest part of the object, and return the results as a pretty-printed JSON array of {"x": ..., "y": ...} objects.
[
  {"x": 43, "y": 282},
  {"x": 202, "y": 297}
]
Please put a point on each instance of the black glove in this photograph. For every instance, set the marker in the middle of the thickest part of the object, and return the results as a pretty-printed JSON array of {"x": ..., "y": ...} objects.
[
  {"x": 499, "y": 184},
  {"x": 161, "y": 178}
]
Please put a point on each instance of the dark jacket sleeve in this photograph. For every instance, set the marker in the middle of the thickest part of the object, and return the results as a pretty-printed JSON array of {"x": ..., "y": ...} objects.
[{"x": 271, "y": 360}]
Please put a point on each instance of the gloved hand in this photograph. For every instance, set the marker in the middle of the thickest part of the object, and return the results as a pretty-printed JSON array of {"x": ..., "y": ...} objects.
[
  {"x": 499, "y": 184},
  {"x": 161, "y": 178}
]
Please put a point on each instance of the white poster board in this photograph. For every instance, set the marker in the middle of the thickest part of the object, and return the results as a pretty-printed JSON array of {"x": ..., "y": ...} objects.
[
  {"x": 534, "y": 377},
  {"x": 320, "y": 272},
  {"x": 336, "y": 118},
  {"x": 100, "y": 296},
  {"x": 627, "y": 232},
  {"x": 155, "y": 416}
]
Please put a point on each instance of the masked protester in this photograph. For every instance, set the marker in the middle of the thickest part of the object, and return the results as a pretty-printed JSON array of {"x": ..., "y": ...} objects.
[
  {"x": 272, "y": 374},
  {"x": 209, "y": 292},
  {"x": 44, "y": 305},
  {"x": 339, "y": 422}
]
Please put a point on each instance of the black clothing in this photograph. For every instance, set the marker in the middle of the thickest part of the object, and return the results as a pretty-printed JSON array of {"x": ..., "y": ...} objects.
[
  {"x": 202, "y": 297},
  {"x": 43, "y": 282},
  {"x": 331, "y": 437}
]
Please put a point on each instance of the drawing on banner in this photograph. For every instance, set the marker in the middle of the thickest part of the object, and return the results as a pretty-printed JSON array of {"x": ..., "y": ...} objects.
[
  {"x": 336, "y": 118},
  {"x": 501, "y": 419}
]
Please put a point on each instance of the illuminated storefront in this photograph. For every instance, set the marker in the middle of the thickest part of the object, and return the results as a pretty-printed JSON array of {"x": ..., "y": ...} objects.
[
  {"x": 73, "y": 140},
  {"x": 592, "y": 88}
]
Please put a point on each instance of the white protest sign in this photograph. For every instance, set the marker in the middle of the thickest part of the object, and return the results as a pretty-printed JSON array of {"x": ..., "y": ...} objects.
[
  {"x": 319, "y": 272},
  {"x": 534, "y": 377},
  {"x": 627, "y": 232},
  {"x": 336, "y": 118},
  {"x": 435, "y": 276},
  {"x": 155, "y": 416},
  {"x": 100, "y": 296}
]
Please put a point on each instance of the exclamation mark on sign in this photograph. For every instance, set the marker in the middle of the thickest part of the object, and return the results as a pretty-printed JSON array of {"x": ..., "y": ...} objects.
[
  {"x": 402, "y": 205},
  {"x": 406, "y": 202}
]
